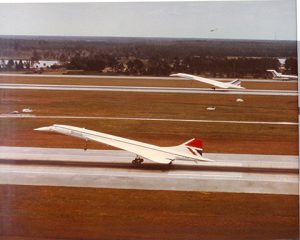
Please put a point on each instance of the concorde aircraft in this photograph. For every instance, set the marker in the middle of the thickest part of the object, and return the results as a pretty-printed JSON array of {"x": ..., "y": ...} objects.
[
  {"x": 277, "y": 75},
  {"x": 188, "y": 151},
  {"x": 235, "y": 84}
]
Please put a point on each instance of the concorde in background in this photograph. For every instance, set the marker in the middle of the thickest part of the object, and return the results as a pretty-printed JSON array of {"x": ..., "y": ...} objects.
[
  {"x": 188, "y": 151},
  {"x": 277, "y": 75},
  {"x": 235, "y": 84}
]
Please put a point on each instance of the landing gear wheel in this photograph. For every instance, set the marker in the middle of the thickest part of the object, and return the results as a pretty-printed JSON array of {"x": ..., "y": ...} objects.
[{"x": 137, "y": 161}]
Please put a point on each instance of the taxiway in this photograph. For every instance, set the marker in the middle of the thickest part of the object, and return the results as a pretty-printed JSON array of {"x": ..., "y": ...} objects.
[
  {"x": 146, "y": 89},
  {"x": 130, "y": 77}
]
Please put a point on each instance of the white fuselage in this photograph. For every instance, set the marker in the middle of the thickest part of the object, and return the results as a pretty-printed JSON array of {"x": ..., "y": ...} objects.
[
  {"x": 145, "y": 150},
  {"x": 287, "y": 76},
  {"x": 214, "y": 83},
  {"x": 281, "y": 76}
]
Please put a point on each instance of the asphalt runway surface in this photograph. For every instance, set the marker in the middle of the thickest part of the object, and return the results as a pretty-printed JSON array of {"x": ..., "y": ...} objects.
[
  {"x": 133, "y": 77},
  {"x": 113, "y": 169},
  {"x": 146, "y": 89}
]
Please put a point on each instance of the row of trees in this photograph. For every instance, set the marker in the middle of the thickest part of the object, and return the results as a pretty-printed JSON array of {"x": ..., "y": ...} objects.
[
  {"x": 65, "y": 48},
  {"x": 92, "y": 63},
  {"x": 146, "y": 56},
  {"x": 209, "y": 66},
  {"x": 291, "y": 65}
]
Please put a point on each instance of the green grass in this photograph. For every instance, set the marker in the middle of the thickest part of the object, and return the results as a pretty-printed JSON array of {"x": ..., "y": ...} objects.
[
  {"x": 151, "y": 105},
  {"x": 87, "y": 213},
  {"x": 218, "y": 138}
]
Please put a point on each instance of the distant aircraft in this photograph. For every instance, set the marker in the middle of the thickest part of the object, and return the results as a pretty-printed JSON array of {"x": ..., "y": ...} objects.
[
  {"x": 188, "y": 151},
  {"x": 277, "y": 75},
  {"x": 235, "y": 84}
]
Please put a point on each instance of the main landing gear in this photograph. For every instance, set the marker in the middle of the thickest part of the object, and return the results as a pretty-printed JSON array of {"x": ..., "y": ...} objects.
[{"x": 137, "y": 161}]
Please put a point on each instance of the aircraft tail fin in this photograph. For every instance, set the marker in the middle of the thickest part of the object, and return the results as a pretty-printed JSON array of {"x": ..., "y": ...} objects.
[
  {"x": 274, "y": 73},
  {"x": 193, "y": 147},
  {"x": 236, "y": 82}
]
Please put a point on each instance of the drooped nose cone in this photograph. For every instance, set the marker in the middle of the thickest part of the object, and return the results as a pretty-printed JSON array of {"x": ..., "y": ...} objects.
[
  {"x": 175, "y": 75},
  {"x": 44, "y": 129}
]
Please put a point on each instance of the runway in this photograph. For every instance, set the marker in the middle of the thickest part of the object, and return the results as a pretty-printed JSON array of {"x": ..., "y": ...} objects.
[
  {"x": 144, "y": 119},
  {"x": 132, "y": 77},
  {"x": 146, "y": 89},
  {"x": 112, "y": 169}
]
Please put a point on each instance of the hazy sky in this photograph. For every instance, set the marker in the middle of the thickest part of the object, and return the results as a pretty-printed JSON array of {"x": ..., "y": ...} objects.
[{"x": 232, "y": 20}]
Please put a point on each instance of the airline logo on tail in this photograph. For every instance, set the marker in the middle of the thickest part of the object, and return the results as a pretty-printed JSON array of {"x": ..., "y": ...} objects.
[
  {"x": 195, "y": 146},
  {"x": 236, "y": 82}
]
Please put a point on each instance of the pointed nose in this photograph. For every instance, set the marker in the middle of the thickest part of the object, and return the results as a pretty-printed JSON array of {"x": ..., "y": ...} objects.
[
  {"x": 174, "y": 75},
  {"x": 44, "y": 129}
]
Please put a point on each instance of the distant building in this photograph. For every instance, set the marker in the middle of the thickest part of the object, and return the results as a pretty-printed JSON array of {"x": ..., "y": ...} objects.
[
  {"x": 4, "y": 63},
  {"x": 32, "y": 65},
  {"x": 45, "y": 64}
]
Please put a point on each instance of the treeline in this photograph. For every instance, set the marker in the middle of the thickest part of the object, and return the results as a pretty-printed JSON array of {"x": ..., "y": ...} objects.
[
  {"x": 291, "y": 66},
  {"x": 154, "y": 56},
  {"x": 208, "y": 66},
  {"x": 67, "y": 47}
]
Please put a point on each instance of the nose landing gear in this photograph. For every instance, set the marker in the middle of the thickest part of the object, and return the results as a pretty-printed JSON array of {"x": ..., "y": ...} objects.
[{"x": 86, "y": 145}]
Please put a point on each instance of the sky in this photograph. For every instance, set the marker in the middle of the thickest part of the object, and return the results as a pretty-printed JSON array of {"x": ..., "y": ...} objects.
[{"x": 271, "y": 19}]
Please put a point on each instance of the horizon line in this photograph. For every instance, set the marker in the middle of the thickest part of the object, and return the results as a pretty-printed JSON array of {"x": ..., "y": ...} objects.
[{"x": 144, "y": 37}]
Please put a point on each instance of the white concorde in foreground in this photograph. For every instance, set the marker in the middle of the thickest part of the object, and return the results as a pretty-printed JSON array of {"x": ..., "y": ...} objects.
[
  {"x": 188, "y": 151},
  {"x": 277, "y": 75},
  {"x": 235, "y": 84}
]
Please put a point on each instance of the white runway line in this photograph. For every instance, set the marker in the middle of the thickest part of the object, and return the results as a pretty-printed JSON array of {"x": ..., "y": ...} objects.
[
  {"x": 145, "y": 89},
  {"x": 146, "y": 119},
  {"x": 144, "y": 174}
]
